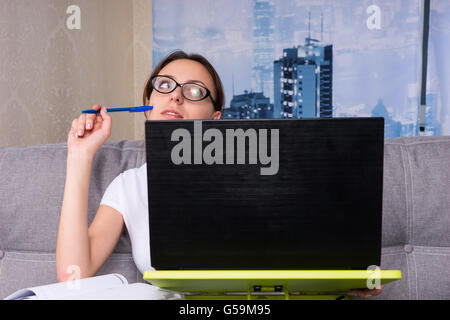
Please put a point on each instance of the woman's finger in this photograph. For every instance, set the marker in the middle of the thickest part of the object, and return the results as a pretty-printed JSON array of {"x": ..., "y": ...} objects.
[
  {"x": 73, "y": 127},
  {"x": 81, "y": 125},
  {"x": 106, "y": 121},
  {"x": 90, "y": 118},
  {"x": 365, "y": 293}
]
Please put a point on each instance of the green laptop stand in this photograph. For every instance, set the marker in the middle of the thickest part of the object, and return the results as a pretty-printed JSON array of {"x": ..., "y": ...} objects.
[{"x": 269, "y": 284}]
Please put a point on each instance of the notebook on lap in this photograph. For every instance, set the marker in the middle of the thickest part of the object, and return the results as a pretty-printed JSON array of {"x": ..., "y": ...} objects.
[{"x": 264, "y": 194}]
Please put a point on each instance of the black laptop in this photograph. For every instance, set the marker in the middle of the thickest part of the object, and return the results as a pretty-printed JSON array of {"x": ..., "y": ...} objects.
[{"x": 265, "y": 194}]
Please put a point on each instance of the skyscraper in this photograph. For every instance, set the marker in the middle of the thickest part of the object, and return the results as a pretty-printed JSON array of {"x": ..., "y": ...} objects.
[
  {"x": 253, "y": 105},
  {"x": 303, "y": 79},
  {"x": 432, "y": 125},
  {"x": 392, "y": 128},
  {"x": 263, "y": 46}
]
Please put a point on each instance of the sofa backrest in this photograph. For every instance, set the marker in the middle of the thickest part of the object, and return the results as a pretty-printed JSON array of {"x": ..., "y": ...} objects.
[
  {"x": 416, "y": 216},
  {"x": 416, "y": 200},
  {"x": 32, "y": 190},
  {"x": 31, "y": 194}
]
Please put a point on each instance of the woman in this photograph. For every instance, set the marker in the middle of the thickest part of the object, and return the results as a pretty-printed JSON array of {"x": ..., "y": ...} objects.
[
  {"x": 190, "y": 77},
  {"x": 182, "y": 86}
]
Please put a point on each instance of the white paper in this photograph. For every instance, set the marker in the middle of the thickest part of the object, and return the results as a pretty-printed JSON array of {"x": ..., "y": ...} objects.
[
  {"x": 108, "y": 287},
  {"x": 134, "y": 291}
]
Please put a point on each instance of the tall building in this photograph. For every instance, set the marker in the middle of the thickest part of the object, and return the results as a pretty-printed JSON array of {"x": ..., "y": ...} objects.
[
  {"x": 303, "y": 81},
  {"x": 392, "y": 128},
  {"x": 412, "y": 115},
  {"x": 263, "y": 46},
  {"x": 253, "y": 105},
  {"x": 432, "y": 126}
]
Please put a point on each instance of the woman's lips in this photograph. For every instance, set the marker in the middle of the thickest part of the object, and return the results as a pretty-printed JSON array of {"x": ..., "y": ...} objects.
[{"x": 171, "y": 115}]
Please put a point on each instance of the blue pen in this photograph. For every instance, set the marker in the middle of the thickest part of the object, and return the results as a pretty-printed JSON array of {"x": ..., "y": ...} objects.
[{"x": 129, "y": 109}]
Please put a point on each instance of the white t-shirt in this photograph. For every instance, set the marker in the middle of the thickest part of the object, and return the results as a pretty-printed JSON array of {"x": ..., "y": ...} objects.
[{"x": 127, "y": 193}]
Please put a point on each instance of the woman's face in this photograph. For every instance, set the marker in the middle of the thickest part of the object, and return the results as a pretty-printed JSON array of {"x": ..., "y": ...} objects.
[{"x": 182, "y": 71}]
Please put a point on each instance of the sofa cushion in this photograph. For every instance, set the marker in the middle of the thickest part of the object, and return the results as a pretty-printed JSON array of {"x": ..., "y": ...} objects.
[{"x": 425, "y": 273}]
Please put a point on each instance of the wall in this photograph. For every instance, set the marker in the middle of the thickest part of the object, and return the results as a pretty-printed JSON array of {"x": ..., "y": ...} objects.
[{"x": 48, "y": 73}]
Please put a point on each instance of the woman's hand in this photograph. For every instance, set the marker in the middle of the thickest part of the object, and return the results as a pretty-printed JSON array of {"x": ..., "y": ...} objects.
[
  {"x": 365, "y": 293},
  {"x": 89, "y": 132}
]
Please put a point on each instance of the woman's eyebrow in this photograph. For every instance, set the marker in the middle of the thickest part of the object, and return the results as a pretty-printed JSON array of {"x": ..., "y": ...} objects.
[
  {"x": 196, "y": 81},
  {"x": 192, "y": 80}
]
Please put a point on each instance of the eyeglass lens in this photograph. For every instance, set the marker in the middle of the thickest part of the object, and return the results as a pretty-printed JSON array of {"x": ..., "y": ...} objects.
[{"x": 190, "y": 91}]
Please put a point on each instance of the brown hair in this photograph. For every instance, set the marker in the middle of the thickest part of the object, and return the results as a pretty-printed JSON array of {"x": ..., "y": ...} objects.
[{"x": 177, "y": 55}]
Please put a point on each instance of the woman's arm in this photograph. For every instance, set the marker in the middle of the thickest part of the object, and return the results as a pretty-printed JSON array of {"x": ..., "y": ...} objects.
[
  {"x": 81, "y": 249},
  {"x": 72, "y": 249},
  {"x": 104, "y": 234}
]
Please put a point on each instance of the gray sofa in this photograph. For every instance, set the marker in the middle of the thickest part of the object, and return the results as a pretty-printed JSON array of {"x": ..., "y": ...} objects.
[{"x": 416, "y": 213}]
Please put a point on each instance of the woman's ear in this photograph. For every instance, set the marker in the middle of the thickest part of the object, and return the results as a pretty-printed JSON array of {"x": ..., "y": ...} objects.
[{"x": 217, "y": 115}]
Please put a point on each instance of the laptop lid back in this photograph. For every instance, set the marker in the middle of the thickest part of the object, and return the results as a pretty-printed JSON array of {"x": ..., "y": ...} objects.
[{"x": 265, "y": 194}]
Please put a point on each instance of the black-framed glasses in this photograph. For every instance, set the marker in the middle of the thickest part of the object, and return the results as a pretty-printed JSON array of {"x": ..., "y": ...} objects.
[{"x": 189, "y": 90}]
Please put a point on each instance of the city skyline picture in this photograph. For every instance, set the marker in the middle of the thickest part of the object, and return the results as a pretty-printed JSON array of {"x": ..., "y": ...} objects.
[{"x": 307, "y": 59}]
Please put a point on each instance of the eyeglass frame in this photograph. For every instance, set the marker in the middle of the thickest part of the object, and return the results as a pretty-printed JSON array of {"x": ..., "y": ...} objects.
[{"x": 208, "y": 92}]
